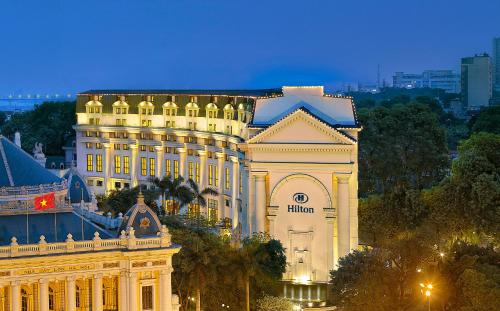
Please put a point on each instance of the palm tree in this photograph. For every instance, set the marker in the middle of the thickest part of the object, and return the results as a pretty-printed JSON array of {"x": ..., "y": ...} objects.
[
  {"x": 199, "y": 196},
  {"x": 161, "y": 184},
  {"x": 178, "y": 192}
]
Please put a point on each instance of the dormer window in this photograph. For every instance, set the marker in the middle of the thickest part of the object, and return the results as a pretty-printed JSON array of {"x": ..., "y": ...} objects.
[
  {"x": 241, "y": 112},
  {"x": 146, "y": 108},
  {"x": 94, "y": 105},
  {"x": 120, "y": 106},
  {"x": 170, "y": 108},
  {"x": 211, "y": 110},
  {"x": 192, "y": 109},
  {"x": 228, "y": 112}
]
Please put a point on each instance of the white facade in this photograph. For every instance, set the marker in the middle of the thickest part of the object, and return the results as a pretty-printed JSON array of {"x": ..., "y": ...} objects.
[
  {"x": 285, "y": 164},
  {"x": 447, "y": 80}
]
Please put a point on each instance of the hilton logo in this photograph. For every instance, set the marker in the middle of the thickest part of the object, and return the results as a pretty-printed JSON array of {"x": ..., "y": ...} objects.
[{"x": 300, "y": 198}]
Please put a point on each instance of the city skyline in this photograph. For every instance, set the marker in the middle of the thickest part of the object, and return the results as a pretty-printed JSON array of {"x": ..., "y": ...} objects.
[{"x": 55, "y": 47}]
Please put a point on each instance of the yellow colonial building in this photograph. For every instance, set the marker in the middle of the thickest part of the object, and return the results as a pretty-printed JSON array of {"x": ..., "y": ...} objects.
[{"x": 58, "y": 259}]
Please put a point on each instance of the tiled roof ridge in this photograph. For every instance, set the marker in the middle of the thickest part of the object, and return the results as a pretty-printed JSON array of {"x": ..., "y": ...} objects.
[{"x": 5, "y": 162}]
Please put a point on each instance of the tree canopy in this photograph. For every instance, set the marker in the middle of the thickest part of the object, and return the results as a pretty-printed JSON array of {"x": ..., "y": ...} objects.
[{"x": 50, "y": 123}]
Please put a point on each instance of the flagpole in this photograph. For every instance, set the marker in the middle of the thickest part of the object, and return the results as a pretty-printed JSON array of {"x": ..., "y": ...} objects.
[
  {"x": 27, "y": 224},
  {"x": 55, "y": 224}
]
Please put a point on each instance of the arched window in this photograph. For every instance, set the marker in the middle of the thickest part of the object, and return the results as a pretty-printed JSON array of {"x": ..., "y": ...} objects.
[{"x": 146, "y": 110}]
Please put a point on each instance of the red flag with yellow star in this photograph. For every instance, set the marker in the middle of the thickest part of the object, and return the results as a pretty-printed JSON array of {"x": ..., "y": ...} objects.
[{"x": 46, "y": 201}]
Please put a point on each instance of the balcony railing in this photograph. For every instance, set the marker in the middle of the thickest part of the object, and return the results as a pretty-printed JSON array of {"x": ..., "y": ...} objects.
[{"x": 126, "y": 241}]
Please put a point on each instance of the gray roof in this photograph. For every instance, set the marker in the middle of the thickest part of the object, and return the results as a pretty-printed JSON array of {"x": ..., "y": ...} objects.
[
  {"x": 45, "y": 224},
  {"x": 77, "y": 188},
  {"x": 217, "y": 92},
  {"x": 18, "y": 168}
]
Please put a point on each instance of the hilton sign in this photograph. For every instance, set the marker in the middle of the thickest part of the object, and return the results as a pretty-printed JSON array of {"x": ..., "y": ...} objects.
[{"x": 300, "y": 198}]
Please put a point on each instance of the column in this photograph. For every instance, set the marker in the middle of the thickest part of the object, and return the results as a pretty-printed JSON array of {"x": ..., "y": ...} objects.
[
  {"x": 44, "y": 294},
  {"x": 123, "y": 300},
  {"x": 71, "y": 293},
  {"x": 15, "y": 296},
  {"x": 235, "y": 191},
  {"x": 250, "y": 220},
  {"x": 160, "y": 162},
  {"x": 182, "y": 162},
  {"x": 97, "y": 296},
  {"x": 343, "y": 214},
  {"x": 203, "y": 169},
  {"x": 165, "y": 290},
  {"x": 107, "y": 167},
  {"x": 330, "y": 241},
  {"x": 220, "y": 189},
  {"x": 260, "y": 200},
  {"x": 132, "y": 291},
  {"x": 134, "y": 160}
]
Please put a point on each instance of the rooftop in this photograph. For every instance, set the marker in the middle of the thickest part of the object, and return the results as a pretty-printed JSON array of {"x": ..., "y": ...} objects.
[{"x": 215, "y": 92}]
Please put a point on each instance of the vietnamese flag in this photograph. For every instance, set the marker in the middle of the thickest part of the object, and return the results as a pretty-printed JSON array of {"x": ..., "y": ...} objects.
[{"x": 46, "y": 201}]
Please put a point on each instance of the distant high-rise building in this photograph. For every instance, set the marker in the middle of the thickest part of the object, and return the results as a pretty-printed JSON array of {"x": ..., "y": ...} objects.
[
  {"x": 496, "y": 63},
  {"x": 447, "y": 80},
  {"x": 476, "y": 81}
]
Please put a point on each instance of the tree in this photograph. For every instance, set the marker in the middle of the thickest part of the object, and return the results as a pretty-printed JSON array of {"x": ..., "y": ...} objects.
[
  {"x": 488, "y": 120},
  {"x": 120, "y": 201},
  {"x": 401, "y": 146},
  {"x": 50, "y": 123},
  {"x": 270, "y": 303},
  {"x": 199, "y": 196},
  {"x": 178, "y": 192},
  {"x": 163, "y": 186},
  {"x": 467, "y": 204}
]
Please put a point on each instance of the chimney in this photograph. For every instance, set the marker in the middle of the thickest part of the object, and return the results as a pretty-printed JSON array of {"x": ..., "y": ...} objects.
[{"x": 17, "y": 139}]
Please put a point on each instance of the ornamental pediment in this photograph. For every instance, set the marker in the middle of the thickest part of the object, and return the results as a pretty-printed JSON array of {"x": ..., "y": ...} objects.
[{"x": 301, "y": 127}]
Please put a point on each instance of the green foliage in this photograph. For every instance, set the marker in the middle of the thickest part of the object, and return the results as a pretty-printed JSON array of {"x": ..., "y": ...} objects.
[
  {"x": 211, "y": 271},
  {"x": 50, "y": 123},
  {"x": 120, "y": 201},
  {"x": 488, "y": 120},
  {"x": 402, "y": 146},
  {"x": 270, "y": 303}
]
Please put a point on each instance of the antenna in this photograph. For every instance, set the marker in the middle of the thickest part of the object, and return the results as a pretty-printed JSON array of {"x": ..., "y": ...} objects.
[{"x": 378, "y": 76}]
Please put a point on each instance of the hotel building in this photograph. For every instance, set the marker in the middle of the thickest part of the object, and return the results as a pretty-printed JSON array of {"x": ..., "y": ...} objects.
[{"x": 284, "y": 161}]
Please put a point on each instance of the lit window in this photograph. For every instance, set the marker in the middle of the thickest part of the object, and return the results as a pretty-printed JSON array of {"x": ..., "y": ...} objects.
[
  {"x": 190, "y": 170},
  {"x": 227, "y": 178},
  {"x": 197, "y": 172},
  {"x": 241, "y": 184},
  {"x": 168, "y": 167},
  {"x": 143, "y": 166},
  {"x": 210, "y": 175},
  {"x": 118, "y": 165},
  {"x": 151, "y": 166},
  {"x": 176, "y": 169},
  {"x": 126, "y": 165},
  {"x": 98, "y": 160},
  {"x": 90, "y": 163},
  {"x": 216, "y": 176}
]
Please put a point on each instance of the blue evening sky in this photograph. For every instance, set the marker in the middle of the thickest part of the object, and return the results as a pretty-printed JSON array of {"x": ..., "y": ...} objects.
[{"x": 68, "y": 46}]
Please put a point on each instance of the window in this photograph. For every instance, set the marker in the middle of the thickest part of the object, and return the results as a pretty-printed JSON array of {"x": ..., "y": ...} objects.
[
  {"x": 51, "y": 299},
  {"x": 78, "y": 295},
  {"x": 227, "y": 178},
  {"x": 151, "y": 149},
  {"x": 241, "y": 184},
  {"x": 99, "y": 183},
  {"x": 210, "y": 175},
  {"x": 117, "y": 146},
  {"x": 125, "y": 147},
  {"x": 126, "y": 165},
  {"x": 143, "y": 147},
  {"x": 168, "y": 167},
  {"x": 24, "y": 300},
  {"x": 147, "y": 297},
  {"x": 216, "y": 176},
  {"x": 151, "y": 166},
  {"x": 98, "y": 146},
  {"x": 118, "y": 165},
  {"x": 90, "y": 182},
  {"x": 118, "y": 185},
  {"x": 197, "y": 172},
  {"x": 212, "y": 127},
  {"x": 90, "y": 163},
  {"x": 98, "y": 161},
  {"x": 176, "y": 169},
  {"x": 88, "y": 145},
  {"x": 143, "y": 166},
  {"x": 190, "y": 170},
  {"x": 212, "y": 210}
]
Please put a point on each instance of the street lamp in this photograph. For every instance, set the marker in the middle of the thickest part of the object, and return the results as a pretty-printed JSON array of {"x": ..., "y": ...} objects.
[{"x": 426, "y": 289}]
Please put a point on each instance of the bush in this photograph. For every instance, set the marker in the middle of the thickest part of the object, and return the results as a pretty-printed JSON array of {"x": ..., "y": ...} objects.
[{"x": 270, "y": 303}]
